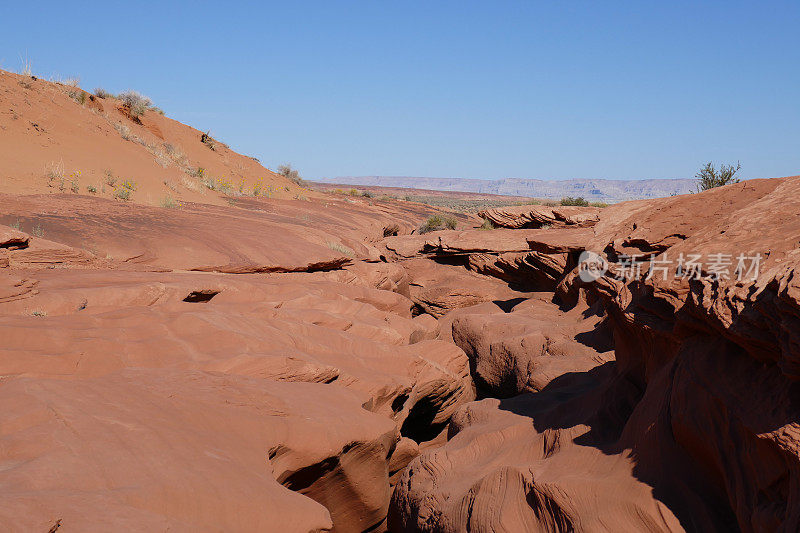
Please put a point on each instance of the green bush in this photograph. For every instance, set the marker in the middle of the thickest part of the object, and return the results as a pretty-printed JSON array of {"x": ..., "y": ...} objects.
[
  {"x": 579, "y": 201},
  {"x": 436, "y": 223},
  {"x": 709, "y": 177},
  {"x": 79, "y": 96}
]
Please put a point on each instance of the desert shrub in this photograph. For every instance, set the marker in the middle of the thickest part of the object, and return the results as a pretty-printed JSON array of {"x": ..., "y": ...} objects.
[
  {"x": 17, "y": 225},
  {"x": 366, "y": 194},
  {"x": 55, "y": 171},
  {"x": 27, "y": 66},
  {"x": 102, "y": 93},
  {"x": 195, "y": 172},
  {"x": 598, "y": 204},
  {"x": 123, "y": 194},
  {"x": 291, "y": 174},
  {"x": 135, "y": 103},
  {"x": 210, "y": 183},
  {"x": 579, "y": 201},
  {"x": 208, "y": 140},
  {"x": 109, "y": 177},
  {"x": 353, "y": 192},
  {"x": 709, "y": 177},
  {"x": 123, "y": 130},
  {"x": 129, "y": 185},
  {"x": 91, "y": 189},
  {"x": 38, "y": 231},
  {"x": 169, "y": 202},
  {"x": 487, "y": 224},
  {"x": 437, "y": 222},
  {"x": 74, "y": 187},
  {"x": 79, "y": 96},
  {"x": 39, "y": 313}
]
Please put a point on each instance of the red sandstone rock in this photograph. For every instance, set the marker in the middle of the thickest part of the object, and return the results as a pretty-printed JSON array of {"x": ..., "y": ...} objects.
[{"x": 537, "y": 216}]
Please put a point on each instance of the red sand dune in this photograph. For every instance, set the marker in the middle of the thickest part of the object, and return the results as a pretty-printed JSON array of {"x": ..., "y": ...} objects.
[
  {"x": 244, "y": 363},
  {"x": 53, "y": 142}
]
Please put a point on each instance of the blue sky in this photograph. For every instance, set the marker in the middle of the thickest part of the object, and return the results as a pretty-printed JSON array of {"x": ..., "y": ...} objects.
[{"x": 488, "y": 89}]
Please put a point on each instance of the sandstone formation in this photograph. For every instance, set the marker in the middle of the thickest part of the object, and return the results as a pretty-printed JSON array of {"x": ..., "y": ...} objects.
[
  {"x": 538, "y": 216},
  {"x": 690, "y": 424},
  {"x": 303, "y": 364}
]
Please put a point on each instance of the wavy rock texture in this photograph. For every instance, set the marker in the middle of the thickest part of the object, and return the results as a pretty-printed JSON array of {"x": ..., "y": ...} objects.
[
  {"x": 537, "y": 216},
  {"x": 692, "y": 424},
  {"x": 312, "y": 365},
  {"x": 143, "y": 394}
]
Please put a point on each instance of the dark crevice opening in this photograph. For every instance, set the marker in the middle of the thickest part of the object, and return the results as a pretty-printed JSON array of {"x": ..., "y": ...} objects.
[{"x": 201, "y": 296}]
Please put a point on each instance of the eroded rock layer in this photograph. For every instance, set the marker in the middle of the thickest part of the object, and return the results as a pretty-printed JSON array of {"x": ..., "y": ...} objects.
[
  {"x": 313, "y": 365},
  {"x": 691, "y": 423}
]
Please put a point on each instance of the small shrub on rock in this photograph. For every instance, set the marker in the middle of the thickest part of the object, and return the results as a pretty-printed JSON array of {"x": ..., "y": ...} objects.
[
  {"x": 436, "y": 223},
  {"x": 709, "y": 177}
]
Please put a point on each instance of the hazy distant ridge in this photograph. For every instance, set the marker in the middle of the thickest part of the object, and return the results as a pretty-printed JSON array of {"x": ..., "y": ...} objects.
[{"x": 591, "y": 189}]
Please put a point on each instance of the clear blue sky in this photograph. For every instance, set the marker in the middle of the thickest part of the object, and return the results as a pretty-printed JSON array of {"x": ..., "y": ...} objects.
[{"x": 567, "y": 89}]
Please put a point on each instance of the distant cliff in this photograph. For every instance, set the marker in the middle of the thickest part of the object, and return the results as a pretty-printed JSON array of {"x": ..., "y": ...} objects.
[{"x": 591, "y": 189}]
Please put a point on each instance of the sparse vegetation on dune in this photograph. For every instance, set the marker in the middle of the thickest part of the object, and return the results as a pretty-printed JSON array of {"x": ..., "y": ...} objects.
[
  {"x": 291, "y": 174},
  {"x": 123, "y": 130},
  {"x": 26, "y": 68},
  {"x": 136, "y": 103},
  {"x": 169, "y": 202},
  {"x": 208, "y": 140},
  {"x": 79, "y": 96},
  {"x": 102, "y": 93}
]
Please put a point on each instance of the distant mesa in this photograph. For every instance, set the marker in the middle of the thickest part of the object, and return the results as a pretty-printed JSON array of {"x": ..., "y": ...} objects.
[{"x": 595, "y": 190}]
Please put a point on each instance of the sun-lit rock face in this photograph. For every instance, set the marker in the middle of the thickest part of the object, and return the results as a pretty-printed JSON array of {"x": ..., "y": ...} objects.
[
  {"x": 293, "y": 363},
  {"x": 690, "y": 423}
]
